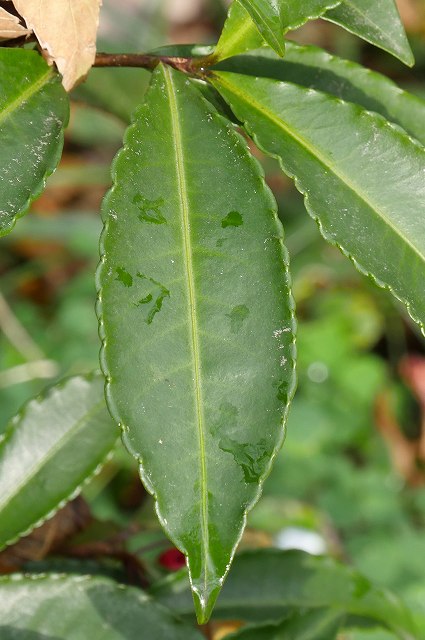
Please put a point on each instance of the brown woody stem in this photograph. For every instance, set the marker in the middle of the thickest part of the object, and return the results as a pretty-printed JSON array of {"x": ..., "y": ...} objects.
[{"x": 145, "y": 61}]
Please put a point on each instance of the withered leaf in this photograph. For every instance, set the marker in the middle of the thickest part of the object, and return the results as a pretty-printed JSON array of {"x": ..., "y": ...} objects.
[
  {"x": 66, "y": 31},
  {"x": 10, "y": 26}
]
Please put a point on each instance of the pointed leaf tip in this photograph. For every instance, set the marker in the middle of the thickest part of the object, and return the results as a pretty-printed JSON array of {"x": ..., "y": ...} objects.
[
  {"x": 376, "y": 22},
  {"x": 182, "y": 302},
  {"x": 205, "y": 600}
]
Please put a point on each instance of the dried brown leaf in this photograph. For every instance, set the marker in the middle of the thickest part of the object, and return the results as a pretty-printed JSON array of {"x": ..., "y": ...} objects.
[
  {"x": 10, "y": 26},
  {"x": 70, "y": 520},
  {"x": 66, "y": 31}
]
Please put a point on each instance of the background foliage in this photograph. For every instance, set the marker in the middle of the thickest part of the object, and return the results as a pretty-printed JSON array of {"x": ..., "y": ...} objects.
[{"x": 350, "y": 481}]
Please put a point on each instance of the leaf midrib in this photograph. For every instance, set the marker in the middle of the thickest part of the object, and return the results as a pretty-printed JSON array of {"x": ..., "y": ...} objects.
[
  {"x": 60, "y": 443},
  {"x": 25, "y": 95},
  {"x": 190, "y": 281},
  {"x": 313, "y": 151},
  {"x": 386, "y": 39}
]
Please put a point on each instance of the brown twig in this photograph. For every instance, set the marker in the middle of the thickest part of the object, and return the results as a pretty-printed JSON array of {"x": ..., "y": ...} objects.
[{"x": 146, "y": 61}]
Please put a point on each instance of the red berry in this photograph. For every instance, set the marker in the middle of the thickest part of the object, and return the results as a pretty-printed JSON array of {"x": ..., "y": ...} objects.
[{"x": 172, "y": 559}]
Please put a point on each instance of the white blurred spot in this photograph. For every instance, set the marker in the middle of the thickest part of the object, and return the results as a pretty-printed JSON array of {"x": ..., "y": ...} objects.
[
  {"x": 303, "y": 539},
  {"x": 318, "y": 372}
]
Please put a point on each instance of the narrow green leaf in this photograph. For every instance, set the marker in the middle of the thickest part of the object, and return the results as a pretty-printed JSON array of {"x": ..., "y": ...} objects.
[
  {"x": 267, "y": 17},
  {"x": 314, "y": 68},
  {"x": 58, "y": 607},
  {"x": 249, "y": 23},
  {"x": 197, "y": 322},
  {"x": 49, "y": 450},
  {"x": 362, "y": 177},
  {"x": 316, "y": 624},
  {"x": 33, "y": 113},
  {"x": 376, "y": 22},
  {"x": 263, "y": 584},
  {"x": 239, "y": 34}
]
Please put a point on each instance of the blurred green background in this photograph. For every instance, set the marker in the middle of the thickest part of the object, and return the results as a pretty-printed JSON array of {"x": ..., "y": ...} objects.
[{"x": 350, "y": 480}]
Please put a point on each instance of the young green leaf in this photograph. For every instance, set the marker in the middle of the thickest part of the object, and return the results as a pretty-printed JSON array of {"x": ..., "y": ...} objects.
[
  {"x": 316, "y": 69},
  {"x": 376, "y": 22},
  {"x": 197, "y": 322},
  {"x": 33, "y": 113},
  {"x": 59, "y": 607},
  {"x": 239, "y": 34},
  {"x": 49, "y": 450},
  {"x": 251, "y": 22},
  {"x": 263, "y": 584},
  {"x": 342, "y": 160},
  {"x": 267, "y": 17}
]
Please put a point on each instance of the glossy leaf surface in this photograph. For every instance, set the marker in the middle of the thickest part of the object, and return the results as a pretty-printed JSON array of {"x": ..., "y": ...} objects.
[
  {"x": 267, "y": 16},
  {"x": 239, "y": 33},
  {"x": 263, "y": 584},
  {"x": 249, "y": 22},
  {"x": 343, "y": 160},
  {"x": 314, "y": 68},
  {"x": 33, "y": 112},
  {"x": 196, "y": 318},
  {"x": 39, "y": 467},
  {"x": 58, "y": 607},
  {"x": 376, "y": 22}
]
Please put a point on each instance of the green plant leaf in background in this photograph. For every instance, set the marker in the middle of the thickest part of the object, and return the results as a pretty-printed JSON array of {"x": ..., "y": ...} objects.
[
  {"x": 59, "y": 607},
  {"x": 264, "y": 583},
  {"x": 197, "y": 322},
  {"x": 49, "y": 450},
  {"x": 316, "y": 69},
  {"x": 316, "y": 624},
  {"x": 342, "y": 160},
  {"x": 33, "y": 113},
  {"x": 376, "y": 22},
  {"x": 249, "y": 23}
]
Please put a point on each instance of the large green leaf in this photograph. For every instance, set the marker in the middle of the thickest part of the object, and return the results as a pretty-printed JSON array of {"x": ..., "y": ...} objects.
[
  {"x": 33, "y": 112},
  {"x": 362, "y": 177},
  {"x": 263, "y": 584},
  {"x": 250, "y": 22},
  {"x": 49, "y": 450},
  {"x": 197, "y": 322},
  {"x": 58, "y": 607},
  {"x": 316, "y": 624},
  {"x": 314, "y": 68},
  {"x": 377, "y": 22}
]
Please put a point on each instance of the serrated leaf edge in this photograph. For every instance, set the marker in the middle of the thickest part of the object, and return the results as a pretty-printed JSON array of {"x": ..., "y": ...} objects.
[
  {"x": 77, "y": 579},
  {"x": 77, "y": 490},
  {"x": 407, "y": 58},
  {"x": 316, "y": 217},
  {"x": 311, "y": 16},
  {"x": 285, "y": 260},
  {"x": 375, "y": 76},
  {"x": 81, "y": 579},
  {"x": 39, "y": 188}
]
